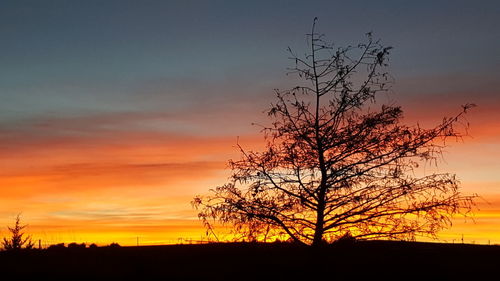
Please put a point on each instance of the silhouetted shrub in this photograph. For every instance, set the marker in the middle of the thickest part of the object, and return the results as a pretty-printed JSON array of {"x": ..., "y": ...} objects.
[
  {"x": 76, "y": 246},
  {"x": 345, "y": 240},
  {"x": 93, "y": 246},
  {"x": 17, "y": 240},
  {"x": 114, "y": 245},
  {"x": 59, "y": 246}
]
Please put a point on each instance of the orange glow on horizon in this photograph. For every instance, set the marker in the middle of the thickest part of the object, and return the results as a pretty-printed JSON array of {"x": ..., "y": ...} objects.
[{"x": 120, "y": 186}]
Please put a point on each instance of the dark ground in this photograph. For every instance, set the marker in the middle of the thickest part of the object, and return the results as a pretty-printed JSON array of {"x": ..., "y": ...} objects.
[{"x": 379, "y": 260}]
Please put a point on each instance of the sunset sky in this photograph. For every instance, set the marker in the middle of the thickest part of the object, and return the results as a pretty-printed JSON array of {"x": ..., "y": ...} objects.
[{"x": 114, "y": 114}]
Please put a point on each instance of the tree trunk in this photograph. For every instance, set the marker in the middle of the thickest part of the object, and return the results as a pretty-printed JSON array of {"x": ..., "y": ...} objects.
[
  {"x": 318, "y": 231},
  {"x": 320, "y": 211}
]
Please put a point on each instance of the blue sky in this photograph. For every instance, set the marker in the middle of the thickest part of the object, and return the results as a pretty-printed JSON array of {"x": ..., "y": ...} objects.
[{"x": 62, "y": 57}]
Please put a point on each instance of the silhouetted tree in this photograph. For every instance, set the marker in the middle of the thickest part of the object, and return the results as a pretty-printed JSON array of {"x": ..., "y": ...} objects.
[
  {"x": 16, "y": 240},
  {"x": 337, "y": 163}
]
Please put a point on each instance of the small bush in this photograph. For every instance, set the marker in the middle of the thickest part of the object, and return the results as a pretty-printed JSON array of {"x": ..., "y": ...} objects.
[
  {"x": 346, "y": 239},
  {"x": 114, "y": 245},
  {"x": 76, "y": 246},
  {"x": 56, "y": 247}
]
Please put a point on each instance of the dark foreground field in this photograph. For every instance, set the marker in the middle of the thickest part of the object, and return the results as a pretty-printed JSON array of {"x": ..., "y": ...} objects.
[{"x": 353, "y": 261}]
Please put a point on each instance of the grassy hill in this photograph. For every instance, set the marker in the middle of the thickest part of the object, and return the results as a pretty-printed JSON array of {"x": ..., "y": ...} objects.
[{"x": 253, "y": 261}]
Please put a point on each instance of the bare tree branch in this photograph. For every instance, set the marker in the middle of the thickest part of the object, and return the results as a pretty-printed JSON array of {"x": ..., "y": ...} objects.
[{"x": 338, "y": 162}]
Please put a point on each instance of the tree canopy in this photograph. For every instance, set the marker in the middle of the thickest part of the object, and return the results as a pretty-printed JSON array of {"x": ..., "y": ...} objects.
[
  {"x": 338, "y": 162},
  {"x": 17, "y": 240}
]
